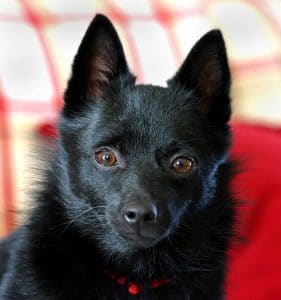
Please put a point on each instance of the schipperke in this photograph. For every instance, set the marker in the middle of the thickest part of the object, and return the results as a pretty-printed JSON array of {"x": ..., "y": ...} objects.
[{"x": 136, "y": 203}]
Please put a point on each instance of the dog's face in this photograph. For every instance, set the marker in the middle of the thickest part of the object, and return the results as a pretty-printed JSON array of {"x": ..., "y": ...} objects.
[{"x": 139, "y": 159}]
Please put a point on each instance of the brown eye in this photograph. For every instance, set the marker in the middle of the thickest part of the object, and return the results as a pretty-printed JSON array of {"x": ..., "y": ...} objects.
[
  {"x": 181, "y": 165},
  {"x": 106, "y": 158}
]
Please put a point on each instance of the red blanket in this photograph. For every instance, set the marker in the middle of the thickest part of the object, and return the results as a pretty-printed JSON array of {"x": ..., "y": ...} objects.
[{"x": 255, "y": 264}]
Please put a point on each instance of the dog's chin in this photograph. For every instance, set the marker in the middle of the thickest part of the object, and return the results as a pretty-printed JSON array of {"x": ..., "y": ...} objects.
[
  {"x": 138, "y": 242},
  {"x": 124, "y": 245}
]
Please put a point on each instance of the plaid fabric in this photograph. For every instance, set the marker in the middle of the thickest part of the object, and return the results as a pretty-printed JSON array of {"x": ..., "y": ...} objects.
[{"x": 39, "y": 39}]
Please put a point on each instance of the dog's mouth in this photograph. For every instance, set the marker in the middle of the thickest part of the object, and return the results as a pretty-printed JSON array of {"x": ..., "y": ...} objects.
[
  {"x": 140, "y": 239},
  {"x": 136, "y": 240}
]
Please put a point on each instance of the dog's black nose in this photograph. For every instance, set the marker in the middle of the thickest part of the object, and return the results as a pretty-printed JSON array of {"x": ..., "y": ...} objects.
[
  {"x": 141, "y": 213},
  {"x": 141, "y": 220}
]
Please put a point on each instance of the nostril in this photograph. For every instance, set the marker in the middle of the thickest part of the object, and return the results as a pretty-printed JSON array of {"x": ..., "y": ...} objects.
[
  {"x": 131, "y": 216},
  {"x": 151, "y": 216}
]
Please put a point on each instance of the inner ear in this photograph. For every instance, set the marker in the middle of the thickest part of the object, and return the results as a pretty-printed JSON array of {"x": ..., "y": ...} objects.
[
  {"x": 103, "y": 69},
  {"x": 208, "y": 83},
  {"x": 106, "y": 58},
  {"x": 99, "y": 61}
]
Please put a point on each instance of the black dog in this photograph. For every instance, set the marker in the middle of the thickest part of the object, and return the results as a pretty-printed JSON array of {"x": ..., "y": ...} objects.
[{"x": 136, "y": 204}]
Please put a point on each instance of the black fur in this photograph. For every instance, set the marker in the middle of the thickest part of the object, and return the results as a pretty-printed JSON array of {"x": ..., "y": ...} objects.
[{"x": 76, "y": 230}]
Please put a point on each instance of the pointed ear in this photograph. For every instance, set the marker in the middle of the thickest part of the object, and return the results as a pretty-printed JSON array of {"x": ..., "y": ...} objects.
[
  {"x": 206, "y": 71},
  {"x": 100, "y": 59}
]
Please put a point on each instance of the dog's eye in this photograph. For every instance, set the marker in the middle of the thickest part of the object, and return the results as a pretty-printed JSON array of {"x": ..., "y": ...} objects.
[
  {"x": 181, "y": 165},
  {"x": 106, "y": 158}
]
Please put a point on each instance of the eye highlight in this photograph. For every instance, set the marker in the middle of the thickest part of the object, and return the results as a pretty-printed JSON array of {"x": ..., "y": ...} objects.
[
  {"x": 182, "y": 164},
  {"x": 106, "y": 158}
]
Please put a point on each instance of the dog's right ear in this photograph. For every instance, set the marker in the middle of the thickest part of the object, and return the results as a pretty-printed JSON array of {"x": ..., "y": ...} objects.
[{"x": 100, "y": 59}]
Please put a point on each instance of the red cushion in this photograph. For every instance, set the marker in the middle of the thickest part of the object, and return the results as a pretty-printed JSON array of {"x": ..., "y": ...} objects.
[{"x": 255, "y": 265}]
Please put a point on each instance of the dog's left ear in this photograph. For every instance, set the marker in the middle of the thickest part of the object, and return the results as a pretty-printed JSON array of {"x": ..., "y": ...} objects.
[
  {"x": 206, "y": 71},
  {"x": 99, "y": 61}
]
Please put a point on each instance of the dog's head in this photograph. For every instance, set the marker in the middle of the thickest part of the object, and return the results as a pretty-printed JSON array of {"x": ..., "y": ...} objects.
[{"x": 138, "y": 159}]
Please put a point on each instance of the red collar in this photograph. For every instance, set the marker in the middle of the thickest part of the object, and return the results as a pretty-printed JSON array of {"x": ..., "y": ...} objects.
[{"x": 134, "y": 288}]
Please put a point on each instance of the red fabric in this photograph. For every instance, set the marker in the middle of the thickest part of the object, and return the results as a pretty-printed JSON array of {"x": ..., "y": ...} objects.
[
  {"x": 47, "y": 130},
  {"x": 255, "y": 265}
]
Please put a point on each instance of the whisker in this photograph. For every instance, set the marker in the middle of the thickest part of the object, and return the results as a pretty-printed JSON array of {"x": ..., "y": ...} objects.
[{"x": 75, "y": 218}]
